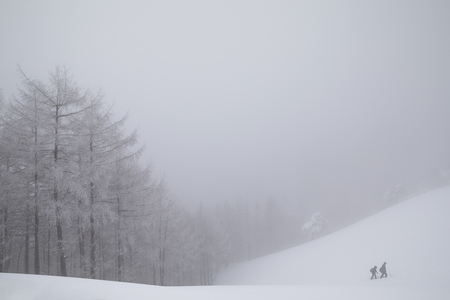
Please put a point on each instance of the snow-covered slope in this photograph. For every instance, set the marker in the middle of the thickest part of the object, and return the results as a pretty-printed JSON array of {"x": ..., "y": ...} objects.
[{"x": 412, "y": 237}]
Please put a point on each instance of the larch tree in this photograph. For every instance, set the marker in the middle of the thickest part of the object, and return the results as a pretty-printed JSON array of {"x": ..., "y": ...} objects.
[
  {"x": 129, "y": 189},
  {"x": 25, "y": 122},
  {"x": 99, "y": 137},
  {"x": 60, "y": 101}
]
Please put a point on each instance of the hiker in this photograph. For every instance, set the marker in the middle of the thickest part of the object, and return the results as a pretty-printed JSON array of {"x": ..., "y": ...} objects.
[
  {"x": 374, "y": 272},
  {"x": 383, "y": 270}
]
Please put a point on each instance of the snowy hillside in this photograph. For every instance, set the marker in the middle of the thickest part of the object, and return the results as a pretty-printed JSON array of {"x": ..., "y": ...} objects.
[{"x": 412, "y": 237}]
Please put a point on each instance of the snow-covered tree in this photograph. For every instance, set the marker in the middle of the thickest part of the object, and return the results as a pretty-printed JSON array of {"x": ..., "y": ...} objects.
[
  {"x": 130, "y": 192},
  {"x": 28, "y": 142},
  {"x": 62, "y": 100},
  {"x": 314, "y": 228},
  {"x": 103, "y": 149},
  {"x": 395, "y": 194},
  {"x": 212, "y": 246}
]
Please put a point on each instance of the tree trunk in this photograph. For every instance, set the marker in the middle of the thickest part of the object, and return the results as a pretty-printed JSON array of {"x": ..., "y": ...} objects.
[
  {"x": 119, "y": 244},
  {"x": 81, "y": 243},
  {"x": 91, "y": 218},
  {"x": 2, "y": 240},
  {"x": 93, "y": 250},
  {"x": 27, "y": 241},
  {"x": 37, "y": 265},
  {"x": 6, "y": 239},
  {"x": 59, "y": 232},
  {"x": 59, "y": 236}
]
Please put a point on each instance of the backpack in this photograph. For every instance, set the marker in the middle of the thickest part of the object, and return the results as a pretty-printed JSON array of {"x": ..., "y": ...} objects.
[{"x": 372, "y": 270}]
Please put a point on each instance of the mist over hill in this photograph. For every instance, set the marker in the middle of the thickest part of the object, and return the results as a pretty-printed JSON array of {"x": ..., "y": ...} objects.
[{"x": 413, "y": 237}]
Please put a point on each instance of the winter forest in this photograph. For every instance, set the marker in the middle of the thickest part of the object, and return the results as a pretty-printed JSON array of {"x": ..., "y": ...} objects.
[{"x": 76, "y": 200}]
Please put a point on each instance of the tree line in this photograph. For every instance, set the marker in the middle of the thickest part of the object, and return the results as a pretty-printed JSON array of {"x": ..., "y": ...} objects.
[{"x": 75, "y": 199}]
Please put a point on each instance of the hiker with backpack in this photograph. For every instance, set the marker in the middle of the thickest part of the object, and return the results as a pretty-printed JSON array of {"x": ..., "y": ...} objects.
[
  {"x": 374, "y": 272},
  {"x": 383, "y": 270}
]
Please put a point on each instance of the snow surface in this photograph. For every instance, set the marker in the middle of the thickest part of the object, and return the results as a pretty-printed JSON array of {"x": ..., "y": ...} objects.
[{"x": 413, "y": 237}]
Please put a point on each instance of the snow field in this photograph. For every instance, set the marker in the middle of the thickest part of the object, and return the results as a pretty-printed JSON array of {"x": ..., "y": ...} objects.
[{"x": 413, "y": 237}]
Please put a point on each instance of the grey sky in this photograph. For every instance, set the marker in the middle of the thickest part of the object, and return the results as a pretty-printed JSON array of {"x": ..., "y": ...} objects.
[{"x": 305, "y": 101}]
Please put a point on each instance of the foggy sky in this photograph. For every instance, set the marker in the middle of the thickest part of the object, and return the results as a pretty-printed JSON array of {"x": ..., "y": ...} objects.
[{"x": 316, "y": 103}]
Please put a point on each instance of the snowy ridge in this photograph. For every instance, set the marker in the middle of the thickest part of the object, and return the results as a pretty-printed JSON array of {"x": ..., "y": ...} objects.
[{"x": 413, "y": 237}]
